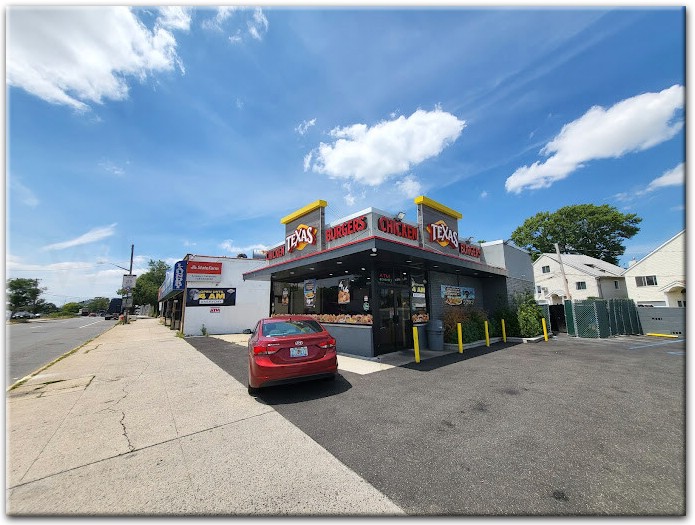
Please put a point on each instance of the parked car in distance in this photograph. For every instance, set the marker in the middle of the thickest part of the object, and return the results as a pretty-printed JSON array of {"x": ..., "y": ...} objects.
[
  {"x": 22, "y": 315},
  {"x": 288, "y": 349}
]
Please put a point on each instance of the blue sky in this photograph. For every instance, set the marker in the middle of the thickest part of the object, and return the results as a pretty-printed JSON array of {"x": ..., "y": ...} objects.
[{"x": 195, "y": 130}]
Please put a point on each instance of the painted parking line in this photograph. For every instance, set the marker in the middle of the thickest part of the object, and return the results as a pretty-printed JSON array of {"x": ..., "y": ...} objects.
[
  {"x": 676, "y": 353},
  {"x": 660, "y": 343}
]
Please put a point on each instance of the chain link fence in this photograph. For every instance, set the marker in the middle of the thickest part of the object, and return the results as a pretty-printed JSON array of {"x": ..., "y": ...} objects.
[{"x": 602, "y": 318}]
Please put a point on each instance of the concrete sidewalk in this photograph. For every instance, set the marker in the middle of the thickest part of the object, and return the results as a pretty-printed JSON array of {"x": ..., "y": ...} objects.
[{"x": 137, "y": 422}]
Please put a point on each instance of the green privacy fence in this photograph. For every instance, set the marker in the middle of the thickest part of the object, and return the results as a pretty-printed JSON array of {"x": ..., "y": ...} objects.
[{"x": 602, "y": 318}]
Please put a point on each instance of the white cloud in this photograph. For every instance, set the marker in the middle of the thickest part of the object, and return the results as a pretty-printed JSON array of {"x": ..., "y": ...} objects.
[
  {"x": 483, "y": 194},
  {"x": 76, "y": 280},
  {"x": 223, "y": 13},
  {"x": 632, "y": 125},
  {"x": 409, "y": 186},
  {"x": 305, "y": 125},
  {"x": 258, "y": 25},
  {"x": 112, "y": 168},
  {"x": 229, "y": 246},
  {"x": 93, "y": 235},
  {"x": 80, "y": 55},
  {"x": 256, "y": 22},
  {"x": 673, "y": 177},
  {"x": 175, "y": 17},
  {"x": 371, "y": 156},
  {"x": 23, "y": 194}
]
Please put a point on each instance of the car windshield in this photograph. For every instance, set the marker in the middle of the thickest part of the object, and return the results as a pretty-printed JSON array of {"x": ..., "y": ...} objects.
[{"x": 279, "y": 328}]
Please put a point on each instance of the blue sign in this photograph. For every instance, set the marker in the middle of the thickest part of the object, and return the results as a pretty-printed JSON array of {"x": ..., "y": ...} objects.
[
  {"x": 180, "y": 275},
  {"x": 174, "y": 280}
]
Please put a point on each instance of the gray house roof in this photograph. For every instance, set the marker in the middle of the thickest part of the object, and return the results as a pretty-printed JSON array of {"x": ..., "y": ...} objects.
[{"x": 588, "y": 265}]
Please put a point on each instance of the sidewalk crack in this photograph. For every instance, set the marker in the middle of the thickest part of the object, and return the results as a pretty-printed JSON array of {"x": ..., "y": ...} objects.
[{"x": 125, "y": 433}]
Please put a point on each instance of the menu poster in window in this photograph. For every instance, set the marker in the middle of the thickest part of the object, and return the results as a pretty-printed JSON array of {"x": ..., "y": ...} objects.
[
  {"x": 285, "y": 296},
  {"x": 310, "y": 293},
  {"x": 418, "y": 291},
  {"x": 458, "y": 295},
  {"x": 344, "y": 291}
]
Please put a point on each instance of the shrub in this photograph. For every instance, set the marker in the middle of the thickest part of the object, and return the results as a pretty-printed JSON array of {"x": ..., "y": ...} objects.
[
  {"x": 530, "y": 315},
  {"x": 511, "y": 322},
  {"x": 472, "y": 321}
]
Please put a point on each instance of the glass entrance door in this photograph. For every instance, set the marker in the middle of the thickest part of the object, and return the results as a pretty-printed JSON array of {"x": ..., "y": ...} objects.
[{"x": 394, "y": 319}]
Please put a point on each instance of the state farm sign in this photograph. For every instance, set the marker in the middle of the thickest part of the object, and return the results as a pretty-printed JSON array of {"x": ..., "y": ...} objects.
[{"x": 203, "y": 271}]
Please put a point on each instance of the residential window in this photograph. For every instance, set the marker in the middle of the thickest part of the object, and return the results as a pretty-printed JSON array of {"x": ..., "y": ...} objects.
[
  {"x": 581, "y": 285},
  {"x": 616, "y": 284},
  {"x": 538, "y": 289},
  {"x": 545, "y": 269},
  {"x": 681, "y": 304},
  {"x": 645, "y": 280}
]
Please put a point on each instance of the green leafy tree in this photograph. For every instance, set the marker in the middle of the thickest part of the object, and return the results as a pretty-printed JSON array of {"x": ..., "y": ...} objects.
[
  {"x": 24, "y": 294},
  {"x": 71, "y": 308},
  {"x": 98, "y": 304},
  {"x": 597, "y": 231},
  {"x": 147, "y": 285}
]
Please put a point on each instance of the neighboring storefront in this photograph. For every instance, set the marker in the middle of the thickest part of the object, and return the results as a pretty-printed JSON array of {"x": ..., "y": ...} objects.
[
  {"x": 371, "y": 277},
  {"x": 205, "y": 294}
]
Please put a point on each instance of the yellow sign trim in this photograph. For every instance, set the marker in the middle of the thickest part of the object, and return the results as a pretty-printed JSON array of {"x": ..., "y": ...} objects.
[
  {"x": 437, "y": 206},
  {"x": 303, "y": 211}
]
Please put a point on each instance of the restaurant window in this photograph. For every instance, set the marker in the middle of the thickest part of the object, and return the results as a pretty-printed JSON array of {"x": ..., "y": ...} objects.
[{"x": 332, "y": 299}]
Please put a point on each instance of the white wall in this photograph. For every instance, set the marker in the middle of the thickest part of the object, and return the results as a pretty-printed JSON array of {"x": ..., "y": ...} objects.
[
  {"x": 667, "y": 263},
  {"x": 252, "y": 299}
]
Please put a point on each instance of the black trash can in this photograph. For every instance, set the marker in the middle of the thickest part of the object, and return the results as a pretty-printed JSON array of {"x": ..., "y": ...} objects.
[{"x": 435, "y": 335}]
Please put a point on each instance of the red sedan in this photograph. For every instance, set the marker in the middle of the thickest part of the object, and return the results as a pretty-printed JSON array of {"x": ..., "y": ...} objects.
[{"x": 290, "y": 348}]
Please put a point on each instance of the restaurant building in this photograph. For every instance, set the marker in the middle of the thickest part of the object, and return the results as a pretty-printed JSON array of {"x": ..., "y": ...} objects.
[{"x": 371, "y": 277}]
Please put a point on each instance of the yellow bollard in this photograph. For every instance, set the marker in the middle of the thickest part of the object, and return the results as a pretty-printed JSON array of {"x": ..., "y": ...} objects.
[
  {"x": 487, "y": 335},
  {"x": 545, "y": 329},
  {"x": 458, "y": 329},
  {"x": 417, "y": 345},
  {"x": 504, "y": 332}
]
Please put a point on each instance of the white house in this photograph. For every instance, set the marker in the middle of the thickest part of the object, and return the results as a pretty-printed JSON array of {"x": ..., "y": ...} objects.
[
  {"x": 586, "y": 277},
  {"x": 659, "y": 278}
]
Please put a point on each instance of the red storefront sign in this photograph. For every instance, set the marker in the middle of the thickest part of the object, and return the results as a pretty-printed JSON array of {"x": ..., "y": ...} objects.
[
  {"x": 346, "y": 228},
  {"x": 202, "y": 267},
  {"x": 398, "y": 228}
]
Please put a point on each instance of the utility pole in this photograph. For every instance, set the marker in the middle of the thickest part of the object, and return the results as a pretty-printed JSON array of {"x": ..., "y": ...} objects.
[
  {"x": 562, "y": 270},
  {"x": 128, "y": 294}
]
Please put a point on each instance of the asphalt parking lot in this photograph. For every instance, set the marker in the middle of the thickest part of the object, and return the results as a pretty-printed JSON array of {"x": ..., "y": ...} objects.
[{"x": 564, "y": 427}]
